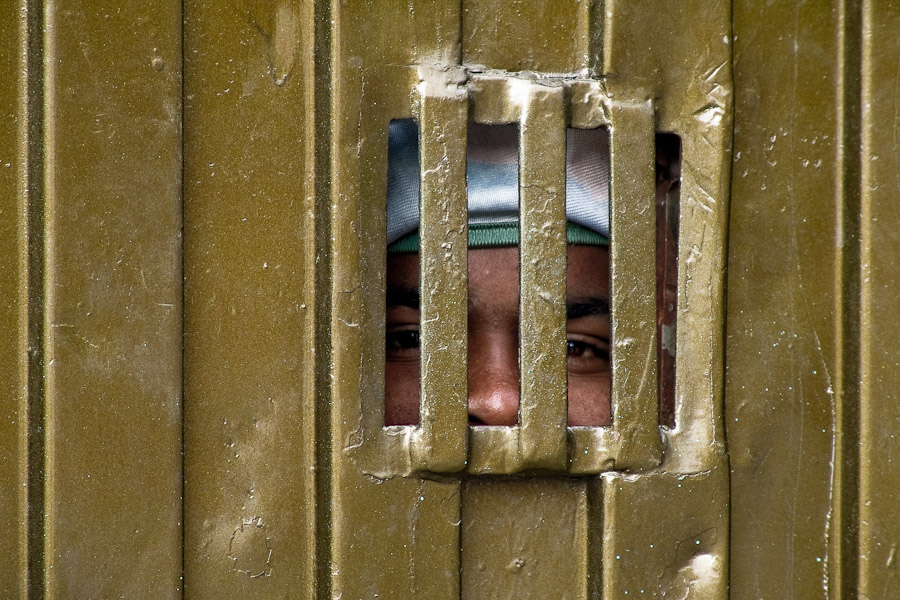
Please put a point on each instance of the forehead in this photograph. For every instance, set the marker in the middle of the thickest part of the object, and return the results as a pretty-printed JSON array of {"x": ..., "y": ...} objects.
[{"x": 493, "y": 272}]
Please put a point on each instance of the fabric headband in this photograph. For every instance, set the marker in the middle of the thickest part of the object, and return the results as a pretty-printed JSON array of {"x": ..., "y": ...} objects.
[{"x": 492, "y": 180}]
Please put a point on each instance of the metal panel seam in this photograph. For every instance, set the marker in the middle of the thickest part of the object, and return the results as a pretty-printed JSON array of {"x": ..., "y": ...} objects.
[
  {"x": 183, "y": 295},
  {"x": 33, "y": 138},
  {"x": 323, "y": 60},
  {"x": 845, "y": 483}
]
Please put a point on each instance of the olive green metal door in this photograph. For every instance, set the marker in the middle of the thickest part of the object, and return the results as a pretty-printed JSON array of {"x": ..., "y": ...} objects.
[{"x": 192, "y": 271}]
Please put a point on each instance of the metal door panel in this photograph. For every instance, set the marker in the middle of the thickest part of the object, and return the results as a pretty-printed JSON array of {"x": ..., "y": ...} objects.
[
  {"x": 879, "y": 482},
  {"x": 532, "y": 35},
  {"x": 792, "y": 348},
  {"x": 537, "y": 533},
  {"x": 666, "y": 532},
  {"x": 369, "y": 540},
  {"x": 93, "y": 295},
  {"x": 292, "y": 486},
  {"x": 381, "y": 525},
  {"x": 14, "y": 390},
  {"x": 250, "y": 343}
]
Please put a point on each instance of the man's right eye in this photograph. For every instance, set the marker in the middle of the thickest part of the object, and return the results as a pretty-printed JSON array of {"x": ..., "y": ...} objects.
[{"x": 402, "y": 343}]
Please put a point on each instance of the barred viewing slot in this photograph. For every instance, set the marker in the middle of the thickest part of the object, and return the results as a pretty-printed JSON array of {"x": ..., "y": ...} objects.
[{"x": 558, "y": 421}]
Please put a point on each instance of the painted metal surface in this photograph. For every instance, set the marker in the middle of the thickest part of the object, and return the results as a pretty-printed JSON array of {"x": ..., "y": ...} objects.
[
  {"x": 879, "y": 438},
  {"x": 374, "y": 547},
  {"x": 14, "y": 357},
  {"x": 800, "y": 398},
  {"x": 275, "y": 174},
  {"x": 249, "y": 269},
  {"x": 93, "y": 295},
  {"x": 112, "y": 300}
]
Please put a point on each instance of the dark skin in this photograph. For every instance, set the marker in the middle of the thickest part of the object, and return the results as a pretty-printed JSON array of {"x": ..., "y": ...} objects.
[{"x": 494, "y": 337}]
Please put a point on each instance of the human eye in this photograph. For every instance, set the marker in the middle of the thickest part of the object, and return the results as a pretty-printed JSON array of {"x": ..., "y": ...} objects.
[
  {"x": 402, "y": 343},
  {"x": 587, "y": 354}
]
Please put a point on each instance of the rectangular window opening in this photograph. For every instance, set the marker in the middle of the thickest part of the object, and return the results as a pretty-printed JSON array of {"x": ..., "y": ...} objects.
[
  {"x": 492, "y": 179},
  {"x": 588, "y": 326},
  {"x": 402, "y": 365},
  {"x": 668, "y": 186},
  {"x": 492, "y": 176}
]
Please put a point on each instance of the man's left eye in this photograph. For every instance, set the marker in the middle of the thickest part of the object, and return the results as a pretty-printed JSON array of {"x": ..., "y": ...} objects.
[
  {"x": 402, "y": 344},
  {"x": 586, "y": 356}
]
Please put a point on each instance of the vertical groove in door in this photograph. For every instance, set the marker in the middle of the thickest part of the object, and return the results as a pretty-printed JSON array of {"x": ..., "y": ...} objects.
[
  {"x": 322, "y": 108},
  {"x": 34, "y": 193},
  {"x": 844, "y": 565},
  {"x": 183, "y": 298}
]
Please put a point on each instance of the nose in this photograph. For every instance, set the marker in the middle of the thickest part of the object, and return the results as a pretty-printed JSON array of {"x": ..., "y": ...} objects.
[{"x": 493, "y": 385}]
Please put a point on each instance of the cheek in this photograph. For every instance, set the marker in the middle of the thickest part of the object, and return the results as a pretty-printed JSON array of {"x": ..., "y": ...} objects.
[
  {"x": 589, "y": 400},
  {"x": 401, "y": 393}
]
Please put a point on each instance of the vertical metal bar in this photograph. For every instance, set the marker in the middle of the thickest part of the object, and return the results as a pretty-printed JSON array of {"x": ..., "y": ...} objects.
[
  {"x": 633, "y": 266},
  {"x": 20, "y": 161},
  {"x": 542, "y": 411},
  {"x": 112, "y": 300},
  {"x": 253, "y": 315},
  {"x": 879, "y": 341},
  {"x": 441, "y": 440},
  {"x": 372, "y": 551}
]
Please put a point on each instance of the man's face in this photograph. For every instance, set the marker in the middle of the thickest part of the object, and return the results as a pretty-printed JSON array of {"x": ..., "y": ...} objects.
[{"x": 494, "y": 337}]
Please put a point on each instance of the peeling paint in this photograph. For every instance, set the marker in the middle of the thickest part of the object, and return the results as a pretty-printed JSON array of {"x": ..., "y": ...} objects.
[
  {"x": 249, "y": 549},
  {"x": 282, "y": 32}
]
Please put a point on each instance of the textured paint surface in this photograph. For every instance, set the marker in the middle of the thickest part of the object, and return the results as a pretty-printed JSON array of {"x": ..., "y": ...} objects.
[
  {"x": 535, "y": 553},
  {"x": 292, "y": 487},
  {"x": 879, "y": 493},
  {"x": 13, "y": 301},
  {"x": 112, "y": 301},
  {"x": 443, "y": 114},
  {"x": 554, "y": 36},
  {"x": 381, "y": 509},
  {"x": 249, "y": 270},
  {"x": 791, "y": 233}
]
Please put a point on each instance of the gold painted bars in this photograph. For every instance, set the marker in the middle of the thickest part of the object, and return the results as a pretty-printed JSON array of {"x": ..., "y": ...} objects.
[
  {"x": 542, "y": 282},
  {"x": 544, "y": 107},
  {"x": 441, "y": 442}
]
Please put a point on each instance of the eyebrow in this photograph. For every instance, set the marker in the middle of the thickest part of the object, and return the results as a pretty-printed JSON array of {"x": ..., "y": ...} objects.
[
  {"x": 402, "y": 296},
  {"x": 408, "y": 296},
  {"x": 587, "y": 307}
]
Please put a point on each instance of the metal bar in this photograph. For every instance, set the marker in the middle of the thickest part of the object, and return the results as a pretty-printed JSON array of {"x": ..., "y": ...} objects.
[
  {"x": 542, "y": 267},
  {"x": 491, "y": 97},
  {"x": 372, "y": 475},
  {"x": 633, "y": 284},
  {"x": 879, "y": 337},
  {"x": 440, "y": 442},
  {"x": 112, "y": 290},
  {"x": 593, "y": 450},
  {"x": 493, "y": 450},
  {"x": 588, "y": 104},
  {"x": 360, "y": 264},
  {"x": 21, "y": 69},
  {"x": 251, "y": 146}
]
